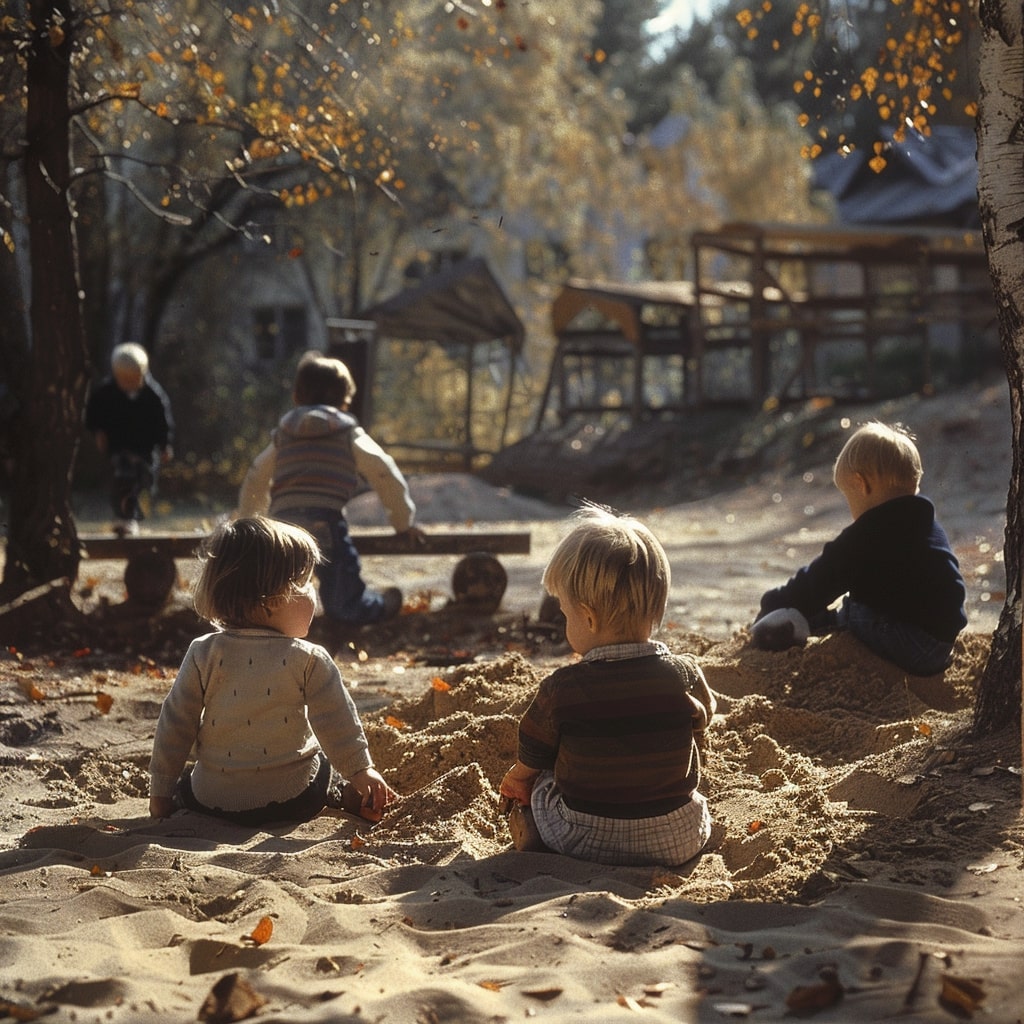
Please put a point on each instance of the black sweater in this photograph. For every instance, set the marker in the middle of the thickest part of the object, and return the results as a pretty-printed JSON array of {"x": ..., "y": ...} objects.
[{"x": 896, "y": 559}]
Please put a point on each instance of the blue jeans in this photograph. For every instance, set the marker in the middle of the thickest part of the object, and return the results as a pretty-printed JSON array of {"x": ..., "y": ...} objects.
[
  {"x": 911, "y": 648},
  {"x": 344, "y": 595}
]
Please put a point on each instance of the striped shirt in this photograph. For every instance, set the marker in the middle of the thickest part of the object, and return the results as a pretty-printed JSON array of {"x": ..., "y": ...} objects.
[
  {"x": 314, "y": 465},
  {"x": 617, "y": 729}
]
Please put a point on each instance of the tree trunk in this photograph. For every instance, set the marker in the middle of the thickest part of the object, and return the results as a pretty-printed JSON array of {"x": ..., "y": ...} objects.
[
  {"x": 1001, "y": 201},
  {"x": 42, "y": 544}
]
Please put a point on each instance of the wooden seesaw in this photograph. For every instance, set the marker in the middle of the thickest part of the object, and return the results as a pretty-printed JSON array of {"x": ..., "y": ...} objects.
[{"x": 478, "y": 579}]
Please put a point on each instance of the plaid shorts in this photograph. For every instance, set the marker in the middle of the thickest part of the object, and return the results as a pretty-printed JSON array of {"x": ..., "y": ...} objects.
[{"x": 667, "y": 839}]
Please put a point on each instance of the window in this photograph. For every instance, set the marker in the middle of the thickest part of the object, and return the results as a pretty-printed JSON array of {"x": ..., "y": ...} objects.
[{"x": 280, "y": 331}]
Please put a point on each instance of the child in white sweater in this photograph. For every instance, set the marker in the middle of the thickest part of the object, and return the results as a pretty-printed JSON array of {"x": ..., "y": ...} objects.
[{"x": 267, "y": 711}]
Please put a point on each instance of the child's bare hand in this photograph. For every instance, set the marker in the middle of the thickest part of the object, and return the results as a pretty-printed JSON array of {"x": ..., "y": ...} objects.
[
  {"x": 518, "y": 783},
  {"x": 161, "y": 806},
  {"x": 413, "y": 538},
  {"x": 374, "y": 793}
]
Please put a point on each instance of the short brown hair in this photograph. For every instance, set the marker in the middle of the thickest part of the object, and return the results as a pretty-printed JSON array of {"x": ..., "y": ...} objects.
[
  {"x": 321, "y": 380},
  {"x": 248, "y": 560}
]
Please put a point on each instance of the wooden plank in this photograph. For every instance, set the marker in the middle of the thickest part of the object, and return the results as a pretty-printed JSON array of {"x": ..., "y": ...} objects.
[{"x": 184, "y": 545}]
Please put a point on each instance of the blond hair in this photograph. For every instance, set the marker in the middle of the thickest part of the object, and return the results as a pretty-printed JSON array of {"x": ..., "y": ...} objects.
[
  {"x": 613, "y": 565},
  {"x": 130, "y": 356},
  {"x": 884, "y": 453},
  {"x": 248, "y": 561}
]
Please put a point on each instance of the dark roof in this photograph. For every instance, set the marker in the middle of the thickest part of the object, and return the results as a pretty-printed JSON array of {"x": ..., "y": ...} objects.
[
  {"x": 927, "y": 180},
  {"x": 463, "y": 304}
]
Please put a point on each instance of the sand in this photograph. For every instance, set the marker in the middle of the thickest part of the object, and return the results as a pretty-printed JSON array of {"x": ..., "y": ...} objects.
[{"x": 866, "y": 861}]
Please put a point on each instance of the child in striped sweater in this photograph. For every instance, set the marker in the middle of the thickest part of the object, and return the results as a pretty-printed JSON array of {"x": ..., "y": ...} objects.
[{"x": 608, "y": 766}]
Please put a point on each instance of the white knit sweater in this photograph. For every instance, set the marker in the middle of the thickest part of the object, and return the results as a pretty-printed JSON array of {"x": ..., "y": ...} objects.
[{"x": 254, "y": 703}]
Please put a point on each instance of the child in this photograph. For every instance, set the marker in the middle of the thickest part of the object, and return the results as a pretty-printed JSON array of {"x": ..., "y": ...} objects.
[
  {"x": 266, "y": 710},
  {"x": 130, "y": 417},
  {"x": 310, "y": 471},
  {"x": 607, "y": 766},
  {"x": 904, "y": 592}
]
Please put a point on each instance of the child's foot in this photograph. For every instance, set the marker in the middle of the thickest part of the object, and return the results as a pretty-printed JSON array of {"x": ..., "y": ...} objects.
[{"x": 523, "y": 830}]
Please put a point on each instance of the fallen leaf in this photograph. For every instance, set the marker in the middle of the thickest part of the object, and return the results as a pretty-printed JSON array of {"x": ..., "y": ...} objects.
[
  {"x": 30, "y": 690},
  {"x": 629, "y": 1003},
  {"x": 395, "y": 723},
  {"x": 980, "y": 806},
  {"x": 961, "y": 994},
  {"x": 658, "y": 989},
  {"x": 924, "y": 728},
  {"x": 983, "y": 869},
  {"x": 104, "y": 702},
  {"x": 812, "y": 998},
  {"x": 440, "y": 685},
  {"x": 356, "y": 841},
  {"x": 754, "y": 826},
  {"x": 231, "y": 999},
  {"x": 18, "y": 1011},
  {"x": 734, "y": 1009},
  {"x": 493, "y": 986},
  {"x": 545, "y": 995},
  {"x": 980, "y": 773},
  {"x": 262, "y": 932}
]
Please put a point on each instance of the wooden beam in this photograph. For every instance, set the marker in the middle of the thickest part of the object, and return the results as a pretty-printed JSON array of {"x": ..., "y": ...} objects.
[{"x": 184, "y": 545}]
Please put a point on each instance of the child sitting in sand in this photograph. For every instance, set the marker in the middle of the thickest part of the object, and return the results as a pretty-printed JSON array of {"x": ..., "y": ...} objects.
[
  {"x": 266, "y": 710},
  {"x": 608, "y": 766},
  {"x": 904, "y": 592}
]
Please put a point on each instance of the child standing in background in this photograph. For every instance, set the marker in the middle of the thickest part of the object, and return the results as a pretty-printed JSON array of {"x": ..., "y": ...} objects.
[
  {"x": 266, "y": 710},
  {"x": 608, "y": 766},
  {"x": 130, "y": 417},
  {"x": 311, "y": 470},
  {"x": 904, "y": 594}
]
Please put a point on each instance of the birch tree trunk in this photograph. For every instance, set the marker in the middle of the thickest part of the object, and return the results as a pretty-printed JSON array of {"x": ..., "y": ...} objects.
[{"x": 1001, "y": 201}]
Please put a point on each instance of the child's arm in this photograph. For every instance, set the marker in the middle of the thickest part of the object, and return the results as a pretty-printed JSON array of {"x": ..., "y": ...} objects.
[
  {"x": 518, "y": 783},
  {"x": 382, "y": 473},
  {"x": 254, "y": 495},
  {"x": 701, "y": 696},
  {"x": 161, "y": 806}
]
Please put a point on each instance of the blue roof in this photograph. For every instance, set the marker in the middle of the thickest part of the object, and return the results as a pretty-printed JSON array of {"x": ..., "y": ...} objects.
[{"x": 927, "y": 180}]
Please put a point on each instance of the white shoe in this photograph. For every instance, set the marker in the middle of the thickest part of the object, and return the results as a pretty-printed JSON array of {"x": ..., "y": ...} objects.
[
  {"x": 126, "y": 528},
  {"x": 782, "y": 628}
]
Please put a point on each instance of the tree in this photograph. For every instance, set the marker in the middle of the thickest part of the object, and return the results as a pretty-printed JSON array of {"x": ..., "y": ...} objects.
[
  {"x": 1000, "y": 192},
  {"x": 75, "y": 74}
]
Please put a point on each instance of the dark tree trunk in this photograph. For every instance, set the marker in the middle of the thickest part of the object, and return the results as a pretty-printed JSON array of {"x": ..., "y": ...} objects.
[
  {"x": 42, "y": 544},
  {"x": 1000, "y": 187}
]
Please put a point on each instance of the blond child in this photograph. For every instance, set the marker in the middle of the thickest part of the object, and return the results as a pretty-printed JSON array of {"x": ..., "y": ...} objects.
[
  {"x": 904, "y": 594},
  {"x": 608, "y": 766},
  {"x": 267, "y": 711}
]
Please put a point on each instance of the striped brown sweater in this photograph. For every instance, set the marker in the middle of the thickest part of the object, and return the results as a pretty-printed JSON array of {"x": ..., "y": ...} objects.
[{"x": 619, "y": 734}]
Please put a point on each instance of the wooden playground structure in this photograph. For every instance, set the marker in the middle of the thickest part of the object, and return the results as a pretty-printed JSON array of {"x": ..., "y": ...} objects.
[{"x": 772, "y": 301}]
